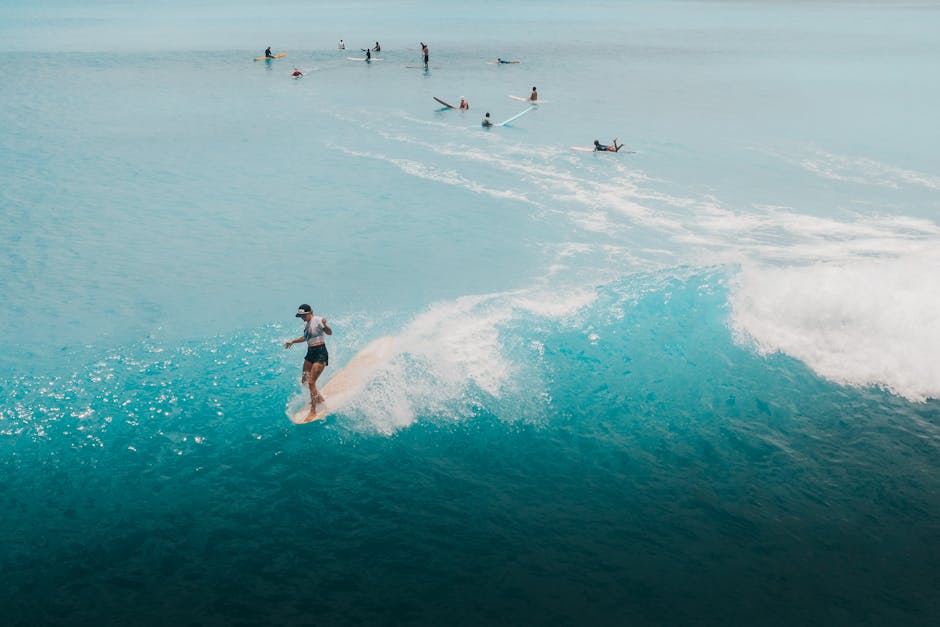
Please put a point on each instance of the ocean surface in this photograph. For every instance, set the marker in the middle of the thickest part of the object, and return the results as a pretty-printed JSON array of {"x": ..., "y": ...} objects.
[{"x": 692, "y": 383}]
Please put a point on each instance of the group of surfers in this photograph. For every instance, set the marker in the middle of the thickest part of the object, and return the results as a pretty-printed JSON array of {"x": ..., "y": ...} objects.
[{"x": 533, "y": 97}]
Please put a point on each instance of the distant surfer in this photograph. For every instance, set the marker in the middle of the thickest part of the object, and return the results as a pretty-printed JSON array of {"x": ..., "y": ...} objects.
[
  {"x": 315, "y": 331},
  {"x": 426, "y": 53},
  {"x": 341, "y": 45},
  {"x": 498, "y": 60},
  {"x": 464, "y": 105},
  {"x": 377, "y": 48},
  {"x": 599, "y": 147},
  {"x": 297, "y": 73},
  {"x": 486, "y": 120},
  {"x": 534, "y": 96},
  {"x": 267, "y": 53},
  {"x": 368, "y": 55}
]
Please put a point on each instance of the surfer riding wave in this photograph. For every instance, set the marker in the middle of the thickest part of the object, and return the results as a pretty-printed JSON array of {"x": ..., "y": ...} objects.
[{"x": 315, "y": 331}]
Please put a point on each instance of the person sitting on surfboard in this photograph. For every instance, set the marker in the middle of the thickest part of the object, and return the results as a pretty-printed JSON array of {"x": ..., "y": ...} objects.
[
  {"x": 463, "y": 104},
  {"x": 377, "y": 48},
  {"x": 341, "y": 45},
  {"x": 534, "y": 96},
  {"x": 599, "y": 147},
  {"x": 315, "y": 331},
  {"x": 267, "y": 53},
  {"x": 486, "y": 120}
]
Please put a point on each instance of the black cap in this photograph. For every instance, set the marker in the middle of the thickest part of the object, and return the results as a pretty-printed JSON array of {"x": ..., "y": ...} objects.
[{"x": 303, "y": 310}]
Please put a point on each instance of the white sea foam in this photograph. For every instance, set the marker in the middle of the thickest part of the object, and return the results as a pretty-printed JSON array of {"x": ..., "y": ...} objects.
[
  {"x": 865, "y": 322},
  {"x": 433, "y": 173},
  {"x": 451, "y": 359},
  {"x": 864, "y": 171}
]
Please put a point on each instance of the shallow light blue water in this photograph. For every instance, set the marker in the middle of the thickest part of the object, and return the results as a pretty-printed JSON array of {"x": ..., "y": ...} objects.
[{"x": 692, "y": 384}]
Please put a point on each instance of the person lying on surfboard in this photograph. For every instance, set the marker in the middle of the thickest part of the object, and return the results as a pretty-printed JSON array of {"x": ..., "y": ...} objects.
[
  {"x": 464, "y": 105},
  {"x": 267, "y": 52},
  {"x": 599, "y": 147},
  {"x": 315, "y": 331},
  {"x": 498, "y": 60}
]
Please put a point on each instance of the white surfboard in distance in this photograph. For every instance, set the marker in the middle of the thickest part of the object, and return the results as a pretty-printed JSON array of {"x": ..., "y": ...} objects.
[
  {"x": 349, "y": 381},
  {"x": 521, "y": 99}
]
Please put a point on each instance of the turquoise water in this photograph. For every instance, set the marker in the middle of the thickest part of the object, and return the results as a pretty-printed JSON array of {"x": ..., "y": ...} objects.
[{"x": 693, "y": 384}]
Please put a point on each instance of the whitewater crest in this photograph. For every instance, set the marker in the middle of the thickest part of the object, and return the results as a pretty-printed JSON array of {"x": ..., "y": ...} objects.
[
  {"x": 865, "y": 322},
  {"x": 451, "y": 360}
]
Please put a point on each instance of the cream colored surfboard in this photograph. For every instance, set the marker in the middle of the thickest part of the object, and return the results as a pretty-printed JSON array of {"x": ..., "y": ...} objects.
[{"x": 349, "y": 381}]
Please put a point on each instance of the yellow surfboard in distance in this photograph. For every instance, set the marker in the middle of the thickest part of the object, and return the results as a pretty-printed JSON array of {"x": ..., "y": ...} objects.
[
  {"x": 350, "y": 381},
  {"x": 277, "y": 56}
]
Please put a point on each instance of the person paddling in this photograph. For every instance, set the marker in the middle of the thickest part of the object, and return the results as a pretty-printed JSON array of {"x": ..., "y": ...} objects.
[{"x": 315, "y": 331}]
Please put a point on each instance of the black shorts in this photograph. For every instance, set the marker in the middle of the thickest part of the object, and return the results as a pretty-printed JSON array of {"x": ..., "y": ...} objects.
[{"x": 318, "y": 355}]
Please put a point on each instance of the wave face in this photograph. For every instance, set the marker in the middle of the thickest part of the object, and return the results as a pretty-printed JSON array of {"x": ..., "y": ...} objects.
[
  {"x": 695, "y": 382},
  {"x": 606, "y": 439}
]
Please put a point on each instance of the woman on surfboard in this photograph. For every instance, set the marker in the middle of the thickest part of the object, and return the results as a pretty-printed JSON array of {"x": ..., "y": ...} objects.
[
  {"x": 599, "y": 147},
  {"x": 315, "y": 331}
]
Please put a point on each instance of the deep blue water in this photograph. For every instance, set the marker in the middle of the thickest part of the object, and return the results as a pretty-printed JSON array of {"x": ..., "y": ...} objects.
[{"x": 696, "y": 383}]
